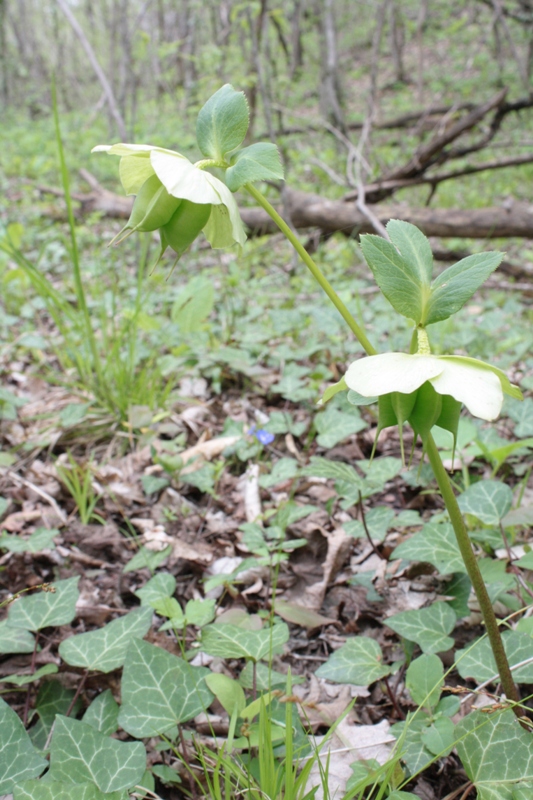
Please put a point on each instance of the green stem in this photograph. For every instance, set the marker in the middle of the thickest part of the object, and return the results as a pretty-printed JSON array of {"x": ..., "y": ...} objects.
[
  {"x": 463, "y": 540},
  {"x": 315, "y": 271}
]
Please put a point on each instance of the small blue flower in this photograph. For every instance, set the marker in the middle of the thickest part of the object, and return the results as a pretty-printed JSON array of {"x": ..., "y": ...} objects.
[{"x": 261, "y": 435}]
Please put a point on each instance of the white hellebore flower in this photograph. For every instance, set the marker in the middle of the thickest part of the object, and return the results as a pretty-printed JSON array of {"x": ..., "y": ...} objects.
[
  {"x": 478, "y": 385},
  {"x": 181, "y": 179}
]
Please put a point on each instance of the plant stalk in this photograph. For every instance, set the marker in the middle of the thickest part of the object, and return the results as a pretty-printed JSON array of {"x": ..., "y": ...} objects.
[
  {"x": 463, "y": 540},
  {"x": 369, "y": 349}
]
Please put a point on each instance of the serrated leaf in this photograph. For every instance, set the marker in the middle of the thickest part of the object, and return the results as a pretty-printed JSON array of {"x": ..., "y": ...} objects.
[
  {"x": 79, "y": 753},
  {"x": 159, "y": 690},
  {"x": 414, "y": 247},
  {"x": 230, "y": 641},
  {"x": 102, "y": 714},
  {"x": 52, "y": 790},
  {"x": 425, "y": 679},
  {"x": 40, "y": 539},
  {"x": 497, "y": 755},
  {"x": 436, "y": 544},
  {"x": 105, "y": 648},
  {"x": 428, "y": 627},
  {"x": 258, "y": 162},
  {"x": 487, "y": 500},
  {"x": 453, "y": 287},
  {"x": 161, "y": 585},
  {"x": 359, "y": 661},
  {"x": 222, "y": 123},
  {"x": 334, "y": 426},
  {"x": 19, "y": 759},
  {"x": 44, "y": 609},
  {"x": 477, "y": 661},
  {"x": 15, "y": 640},
  {"x": 396, "y": 277}
]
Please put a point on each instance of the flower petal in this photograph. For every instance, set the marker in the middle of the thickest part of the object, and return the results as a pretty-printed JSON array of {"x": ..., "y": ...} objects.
[
  {"x": 374, "y": 376},
  {"x": 182, "y": 179},
  {"x": 123, "y": 149},
  {"x": 224, "y": 226},
  {"x": 478, "y": 388}
]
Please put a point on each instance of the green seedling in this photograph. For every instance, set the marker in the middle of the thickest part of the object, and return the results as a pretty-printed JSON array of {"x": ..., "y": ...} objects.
[{"x": 78, "y": 480}]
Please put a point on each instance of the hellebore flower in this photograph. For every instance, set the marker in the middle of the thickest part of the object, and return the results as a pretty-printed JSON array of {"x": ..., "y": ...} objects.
[
  {"x": 478, "y": 385},
  {"x": 209, "y": 204}
]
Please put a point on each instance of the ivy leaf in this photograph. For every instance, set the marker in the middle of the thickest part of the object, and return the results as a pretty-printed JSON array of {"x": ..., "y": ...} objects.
[
  {"x": 19, "y": 759},
  {"x": 52, "y": 699},
  {"x": 378, "y": 521},
  {"x": 359, "y": 661},
  {"x": 477, "y": 661},
  {"x": 436, "y": 544},
  {"x": 44, "y": 609},
  {"x": 428, "y": 627},
  {"x": 230, "y": 641},
  {"x": 105, "y": 648},
  {"x": 334, "y": 426},
  {"x": 397, "y": 278},
  {"x": 161, "y": 585},
  {"x": 80, "y": 754},
  {"x": 487, "y": 500},
  {"x": 102, "y": 714},
  {"x": 159, "y": 690},
  {"x": 15, "y": 640},
  {"x": 453, "y": 287},
  {"x": 439, "y": 737},
  {"x": 23, "y": 680},
  {"x": 222, "y": 123},
  {"x": 40, "y": 539},
  {"x": 53, "y": 790},
  {"x": 258, "y": 162},
  {"x": 497, "y": 755},
  {"x": 336, "y": 470}
]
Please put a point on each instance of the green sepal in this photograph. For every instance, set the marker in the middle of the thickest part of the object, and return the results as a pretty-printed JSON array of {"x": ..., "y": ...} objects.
[
  {"x": 386, "y": 418},
  {"x": 331, "y": 391},
  {"x": 183, "y": 228},
  {"x": 153, "y": 207},
  {"x": 449, "y": 418},
  {"x": 402, "y": 405},
  {"x": 427, "y": 410},
  {"x": 222, "y": 123}
]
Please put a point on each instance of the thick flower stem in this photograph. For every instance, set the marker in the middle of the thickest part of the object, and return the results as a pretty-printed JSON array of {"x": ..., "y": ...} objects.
[
  {"x": 315, "y": 271},
  {"x": 463, "y": 540}
]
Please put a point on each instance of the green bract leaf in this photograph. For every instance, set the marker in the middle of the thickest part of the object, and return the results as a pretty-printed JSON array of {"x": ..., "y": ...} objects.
[
  {"x": 428, "y": 627},
  {"x": 230, "y": 641},
  {"x": 102, "y": 714},
  {"x": 44, "y": 609},
  {"x": 79, "y": 753},
  {"x": 425, "y": 679},
  {"x": 399, "y": 280},
  {"x": 457, "y": 284},
  {"x": 258, "y": 162},
  {"x": 436, "y": 544},
  {"x": 159, "y": 691},
  {"x": 105, "y": 648},
  {"x": 18, "y": 758},
  {"x": 359, "y": 661},
  {"x": 497, "y": 755},
  {"x": 487, "y": 500},
  {"x": 222, "y": 123},
  {"x": 414, "y": 247}
]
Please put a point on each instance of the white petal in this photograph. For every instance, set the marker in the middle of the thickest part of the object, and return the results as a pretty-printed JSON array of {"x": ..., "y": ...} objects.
[
  {"x": 479, "y": 389},
  {"x": 122, "y": 149},
  {"x": 391, "y": 372},
  {"x": 182, "y": 179}
]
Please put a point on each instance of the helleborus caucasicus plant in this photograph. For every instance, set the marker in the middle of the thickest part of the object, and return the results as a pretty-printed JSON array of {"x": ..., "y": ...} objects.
[{"x": 181, "y": 199}]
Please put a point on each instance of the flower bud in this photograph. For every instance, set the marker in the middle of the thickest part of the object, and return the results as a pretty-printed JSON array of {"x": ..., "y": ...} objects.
[
  {"x": 184, "y": 226},
  {"x": 153, "y": 207}
]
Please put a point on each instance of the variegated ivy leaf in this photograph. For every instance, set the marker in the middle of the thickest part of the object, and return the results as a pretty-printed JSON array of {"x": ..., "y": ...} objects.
[
  {"x": 54, "y": 790},
  {"x": 19, "y": 759},
  {"x": 230, "y": 641},
  {"x": 102, "y": 714},
  {"x": 487, "y": 500},
  {"x": 79, "y": 754},
  {"x": 56, "y": 606},
  {"x": 159, "y": 690},
  {"x": 477, "y": 661},
  {"x": 15, "y": 640},
  {"x": 104, "y": 649},
  {"x": 428, "y": 627},
  {"x": 359, "y": 661}
]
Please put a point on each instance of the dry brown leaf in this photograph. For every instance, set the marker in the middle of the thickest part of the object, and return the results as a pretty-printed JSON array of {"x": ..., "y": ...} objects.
[{"x": 207, "y": 450}]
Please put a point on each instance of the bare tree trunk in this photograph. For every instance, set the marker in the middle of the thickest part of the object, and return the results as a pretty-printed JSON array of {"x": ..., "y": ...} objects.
[
  {"x": 110, "y": 97},
  {"x": 330, "y": 88},
  {"x": 296, "y": 40},
  {"x": 397, "y": 41},
  {"x": 3, "y": 53}
]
